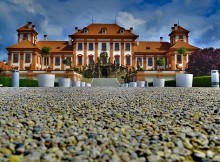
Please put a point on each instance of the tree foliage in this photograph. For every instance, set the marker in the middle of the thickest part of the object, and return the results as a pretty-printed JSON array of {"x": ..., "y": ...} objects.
[
  {"x": 66, "y": 62},
  {"x": 203, "y": 61},
  {"x": 182, "y": 50},
  {"x": 46, "y": 51},
  {"x": 160, "y": 62}
]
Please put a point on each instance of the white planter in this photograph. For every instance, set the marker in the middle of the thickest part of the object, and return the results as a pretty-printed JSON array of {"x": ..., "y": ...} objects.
[
  {"x": 140, "y": 83},
  {"x": 146, "y": 83},
  {"x": 64, "y": 82},
  {"x": 82, "y": 84},
  {"x": 15, "y": 78},
  {"x": 184, "y": 80},
  {"x": 157, "y": 82},
  {"x": 76, "y": 83},
  {"x": 88, "y": 85},
  {"x": 126, "y": 85},
  {"x": 133, "y": 84},
  {"x": 46, "y": 80},
  {"x": 215, "y": 78}
]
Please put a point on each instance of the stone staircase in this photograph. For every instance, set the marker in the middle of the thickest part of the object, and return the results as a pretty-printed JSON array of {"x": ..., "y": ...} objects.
[{"x": 105, "y": 82}]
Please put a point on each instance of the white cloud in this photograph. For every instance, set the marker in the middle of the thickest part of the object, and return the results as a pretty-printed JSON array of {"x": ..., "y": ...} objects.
[
  {"x": 25, "y": 4},
  {"x": 128, "y": 20},
  {"x": 51, "y": 29}
]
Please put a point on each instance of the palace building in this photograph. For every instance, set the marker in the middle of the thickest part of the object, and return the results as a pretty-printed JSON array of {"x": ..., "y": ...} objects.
[{"x": 85, "y": 46}]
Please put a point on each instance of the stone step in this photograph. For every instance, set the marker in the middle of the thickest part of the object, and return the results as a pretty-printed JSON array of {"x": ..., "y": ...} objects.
[{"x": 105, "y": 82}]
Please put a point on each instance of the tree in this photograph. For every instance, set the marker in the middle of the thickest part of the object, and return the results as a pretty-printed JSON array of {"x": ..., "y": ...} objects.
[
  {"x": 160, "y": 62},
  {"x": 203, "y": 61},
  {"x": 66, "y": 62},
  {"x": 182, "y": 50},
  {"x": 46, "y": 53}
]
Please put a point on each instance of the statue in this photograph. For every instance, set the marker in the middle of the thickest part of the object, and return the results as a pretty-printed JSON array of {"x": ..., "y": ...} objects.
[
  {"x": 109, "y": 61},
  {"x": 99, "y": 72},
  {"x": 99, "y": 61}
]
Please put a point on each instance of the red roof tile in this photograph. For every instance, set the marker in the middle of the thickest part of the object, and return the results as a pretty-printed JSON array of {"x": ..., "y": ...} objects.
[
  {"x": 22, "y": 44},
  {"x": 180, "y": 44},
  {"x": 152, "y": 47},
  {"x": 56, "y": 46},
  {"x": 111, "y": 30}
]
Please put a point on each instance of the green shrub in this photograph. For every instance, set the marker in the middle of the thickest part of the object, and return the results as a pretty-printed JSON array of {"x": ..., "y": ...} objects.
[
  {"x": 76, "y": 69},
  {"x": 202, "y": 81},
  {"x": 28, "y": 83},
  {"x": 170, "y": 83},
  {"x": 6, "y": 82}
]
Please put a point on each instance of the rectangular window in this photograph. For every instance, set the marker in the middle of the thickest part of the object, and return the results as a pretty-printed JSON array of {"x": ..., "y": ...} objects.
[
  {"x": 80, "y": 46},
  {"x": 46, "y": 61},
  {"x": 179, "y": 58},
  {"x": 79, "y": 60},
  {"x": 180, "y": 37},
  {"x": 25, "y": 36},
  {"x": 57, "y": 61},
  {"x": 15, "y": 58},
  {"x": 150, "y": 61},
  {"x": 116, "y": 46},
  {"x": 139, "y": 61},
  {"x": 90, "y": 46},
  {"x": 127, "y": 47},
  {"x": 128, "y": 60},
  {"x": 103, "y": 46},
  {"x": 27, "y": 58}
]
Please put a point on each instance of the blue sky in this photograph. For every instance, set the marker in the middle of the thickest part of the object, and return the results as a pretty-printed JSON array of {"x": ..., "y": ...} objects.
[{"x": 150, "y": 18}]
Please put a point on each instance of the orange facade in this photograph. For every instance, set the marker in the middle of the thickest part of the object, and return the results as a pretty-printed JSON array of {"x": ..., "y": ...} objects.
[{"x": 85, "y": 45}]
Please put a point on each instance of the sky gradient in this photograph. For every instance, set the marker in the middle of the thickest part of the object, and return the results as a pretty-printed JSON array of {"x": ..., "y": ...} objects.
[{"x": 149, "y": 18}]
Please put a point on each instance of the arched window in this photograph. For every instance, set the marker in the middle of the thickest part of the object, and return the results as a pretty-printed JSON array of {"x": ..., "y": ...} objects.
[
  {"x": 117, "y": 59},
  {"x": 128, "y": 59},
  {"x": 91, "y": 59},
  {"x": 79, "y": 58}
]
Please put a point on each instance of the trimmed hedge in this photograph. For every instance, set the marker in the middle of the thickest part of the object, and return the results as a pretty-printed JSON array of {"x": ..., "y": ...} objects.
[
  {"x": 28, "y": 83},
  {"x": 6, "y": 82}
]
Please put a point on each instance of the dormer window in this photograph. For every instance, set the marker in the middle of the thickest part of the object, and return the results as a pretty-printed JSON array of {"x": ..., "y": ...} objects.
[
  {"x": 85, "y": 30},
  {"x": 103, "y": 30},
  {"x": 121, "y": 31}
]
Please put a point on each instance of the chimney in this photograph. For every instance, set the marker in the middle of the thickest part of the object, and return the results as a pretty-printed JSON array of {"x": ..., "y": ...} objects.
[
  {"x": 45, "y": 37},
  {"x": 76, "y": 29},
  {"x": 161, "y": 39},
  {"x": 33, "y": 26},
  {"x": 29, "y": 24},
  {"x": 131, "y": 29},
  {"x": 70, "y": 40},
  {"x": 175, "y": 26}
]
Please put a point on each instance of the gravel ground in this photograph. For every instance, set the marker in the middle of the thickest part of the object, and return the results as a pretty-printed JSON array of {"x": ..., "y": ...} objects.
[{"x": 109, "y": 124}]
